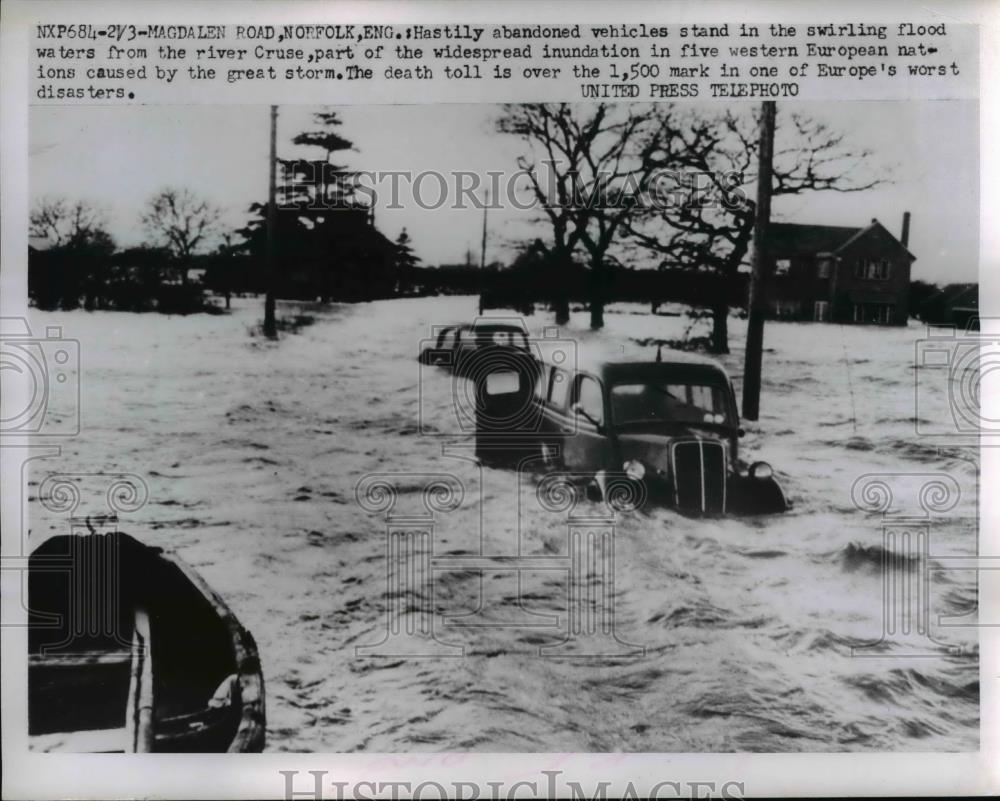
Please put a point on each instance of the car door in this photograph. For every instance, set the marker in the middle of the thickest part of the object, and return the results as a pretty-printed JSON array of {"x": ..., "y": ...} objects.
[{"x": 587, "y": 449}]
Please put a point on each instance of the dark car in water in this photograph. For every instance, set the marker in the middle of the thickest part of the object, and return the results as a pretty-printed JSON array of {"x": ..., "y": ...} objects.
[
  {"x": 460, "y": 348},
  {"x": 669, "y": 426}
]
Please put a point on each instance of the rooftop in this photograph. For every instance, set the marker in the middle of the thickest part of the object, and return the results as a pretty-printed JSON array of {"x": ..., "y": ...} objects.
[{"x": 793, "y": 239}]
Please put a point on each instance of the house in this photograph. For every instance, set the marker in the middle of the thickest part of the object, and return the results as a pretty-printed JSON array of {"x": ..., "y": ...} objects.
[
  {"x": 341, "y": 256},
  {"x": 955, "y": 304},
  {"x": 839, "y": 274}
]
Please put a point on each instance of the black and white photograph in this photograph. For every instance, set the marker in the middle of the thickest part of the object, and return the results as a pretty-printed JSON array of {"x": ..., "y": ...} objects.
[{"x": 598, "y": 427}]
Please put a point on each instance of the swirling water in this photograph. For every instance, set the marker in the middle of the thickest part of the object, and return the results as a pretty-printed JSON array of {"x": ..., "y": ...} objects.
[{"x": 252, "y": 452}]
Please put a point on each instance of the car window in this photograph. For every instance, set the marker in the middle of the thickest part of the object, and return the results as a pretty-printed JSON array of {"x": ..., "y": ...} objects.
[
  {"x": 590, "y": 398},
  {"x": 669, "y": 401},
  {"x": 502, "y": 382}
]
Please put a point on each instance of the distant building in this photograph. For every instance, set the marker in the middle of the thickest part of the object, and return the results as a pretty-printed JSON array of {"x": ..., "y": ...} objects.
[
  {"x": 837, "y": 274},
  {"x": 338, "y": 256},
  {"x": 955, "y": 304}
]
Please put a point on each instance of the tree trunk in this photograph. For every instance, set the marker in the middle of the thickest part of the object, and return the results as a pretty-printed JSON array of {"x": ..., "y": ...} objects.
[
  {"x": 598, "y": 286},
  {"x": 561, "y": 307},
  {"x": 720, "y": 327},
  {"x": 596, "y": 314},
  {"x": 558, "y": 284}
]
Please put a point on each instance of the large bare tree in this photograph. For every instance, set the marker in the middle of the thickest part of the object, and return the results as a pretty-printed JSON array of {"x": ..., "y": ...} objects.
[
  {"x": 182, "y": 222},
  {"x": 586, "y": 165},
  {"x": 710, "y": 226}
]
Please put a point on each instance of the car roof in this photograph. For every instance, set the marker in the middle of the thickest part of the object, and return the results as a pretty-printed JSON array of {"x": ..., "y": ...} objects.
[
  {"x": 611, "y": 364},
  {"x": 481, "y": 326},
  {"x": 489, "y": 327}
]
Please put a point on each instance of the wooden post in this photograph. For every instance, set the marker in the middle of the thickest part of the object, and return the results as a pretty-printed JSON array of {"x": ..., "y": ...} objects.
[
  {"x": 270, "y": 326},
  {"x": 759, "y": 266}
]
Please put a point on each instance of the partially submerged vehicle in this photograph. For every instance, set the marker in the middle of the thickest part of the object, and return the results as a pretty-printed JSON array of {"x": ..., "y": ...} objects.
[
  {"x": 131, "y": 651},
  {"x": 669, "y": 425},
  {"x": 460, "y": 348}
]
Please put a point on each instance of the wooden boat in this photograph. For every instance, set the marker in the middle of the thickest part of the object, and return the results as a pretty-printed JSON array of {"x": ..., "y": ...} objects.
[{"x": 131, "y": 651}]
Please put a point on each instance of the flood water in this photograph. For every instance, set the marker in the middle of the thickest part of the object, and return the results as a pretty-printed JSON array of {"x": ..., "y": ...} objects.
[{"x": 252, "y": 452}]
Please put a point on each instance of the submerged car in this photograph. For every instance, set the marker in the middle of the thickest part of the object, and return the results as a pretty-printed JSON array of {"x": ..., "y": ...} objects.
[
  {"x": 460, "y": 348},
  {"x": 670, "y": 426}
]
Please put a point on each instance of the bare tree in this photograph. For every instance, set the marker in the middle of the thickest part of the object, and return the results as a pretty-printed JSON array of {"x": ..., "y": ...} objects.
[
  {"x": 595, "y": 161},
  {"x": 65, "y": 222},
  {"x": 79, "y": 261},
  {"x": 711, "y": 226},
  {"x": 181, "y": 221}
]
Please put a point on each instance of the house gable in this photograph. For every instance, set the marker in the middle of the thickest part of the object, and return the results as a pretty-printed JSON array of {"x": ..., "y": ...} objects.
[
  {"x": 875, "y": 242},
  {"x": 792, "y": 240},
  {"x": 840, "y": 274}
]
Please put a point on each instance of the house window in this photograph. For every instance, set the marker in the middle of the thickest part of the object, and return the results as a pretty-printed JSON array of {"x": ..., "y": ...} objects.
[
  {"x": 821, "y": 311},
  {"x": 785, "y": 309},
  {"x": 872, "y": 269},
  {"x": 782, "y": 266},
  {"x": 823, "y": 268},
  {"x": 873, "y": 313}
]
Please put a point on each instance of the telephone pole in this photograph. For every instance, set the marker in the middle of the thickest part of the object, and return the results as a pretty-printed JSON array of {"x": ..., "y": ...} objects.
[
  {"x": 759, "y": 267},
  {"x": 270, "y": 326},
  {"x": 482, "y": 255}
]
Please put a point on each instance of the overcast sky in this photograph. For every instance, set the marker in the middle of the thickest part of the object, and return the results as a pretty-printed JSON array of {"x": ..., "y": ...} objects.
[{"x": 119, "y": 156}]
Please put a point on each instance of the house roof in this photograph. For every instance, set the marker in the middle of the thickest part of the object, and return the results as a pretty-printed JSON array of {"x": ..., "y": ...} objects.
[{"x": 795, "y": 239}]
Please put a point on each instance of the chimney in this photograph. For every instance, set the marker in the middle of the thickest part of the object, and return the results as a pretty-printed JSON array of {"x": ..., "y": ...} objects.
[{"x": 904, "y": 237}]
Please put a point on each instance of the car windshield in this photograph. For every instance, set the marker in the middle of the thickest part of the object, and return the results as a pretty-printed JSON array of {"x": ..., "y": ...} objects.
[
  {"x": 503, "y": 337},
  {"x": 662, "y": 400}
]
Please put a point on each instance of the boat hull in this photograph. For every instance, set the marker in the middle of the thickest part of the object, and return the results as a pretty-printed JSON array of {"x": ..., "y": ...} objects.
[{"x": 131, "y": 650}]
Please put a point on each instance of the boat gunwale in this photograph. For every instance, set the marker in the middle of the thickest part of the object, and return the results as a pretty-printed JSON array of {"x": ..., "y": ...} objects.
[{"x": 251, "y": 731}]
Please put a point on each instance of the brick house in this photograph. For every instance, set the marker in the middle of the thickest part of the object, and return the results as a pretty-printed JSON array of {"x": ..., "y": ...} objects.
[{"x": 838, "y": 274}]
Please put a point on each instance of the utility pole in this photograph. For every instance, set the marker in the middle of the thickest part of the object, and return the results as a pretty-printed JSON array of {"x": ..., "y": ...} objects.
[
  {"x": 482, "y": 255},
  {"x": 759, "y": 266},
  {"x": 270, "y": 326}
]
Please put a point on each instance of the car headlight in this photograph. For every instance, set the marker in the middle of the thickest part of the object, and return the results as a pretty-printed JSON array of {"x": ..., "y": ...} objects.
[
  {"x": 761, "y": 470},
  {"x": 634, "y": 469}
]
